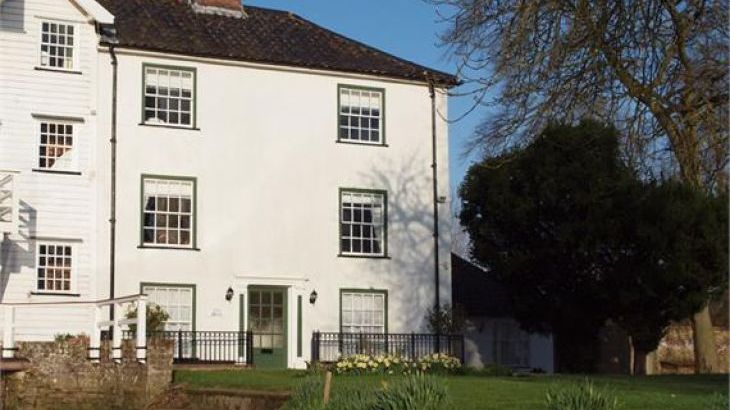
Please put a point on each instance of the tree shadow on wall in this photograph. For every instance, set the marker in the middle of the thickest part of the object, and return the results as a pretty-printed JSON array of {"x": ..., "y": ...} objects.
[{"x": 410, "y": 270}]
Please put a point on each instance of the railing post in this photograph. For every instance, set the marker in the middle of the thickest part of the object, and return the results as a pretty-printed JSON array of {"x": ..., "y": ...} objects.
[
  {"x": 95, "y": 335},
  {"x": 179, "y": 345},
  {"x": 249, "y": 348},
  {"x": 117, "y": 334},
  {"x": 142, "y": 329},
  {"x": 9, "y": 332},
  {"x": 463, "y": 349},
  {"x": 241, "y": 346},
  {"x": 438, "y": 342},
  {"x": 386, "y": 343},
  {"x": 413, "y": 346},
  {"x": 315, "y": 346}
]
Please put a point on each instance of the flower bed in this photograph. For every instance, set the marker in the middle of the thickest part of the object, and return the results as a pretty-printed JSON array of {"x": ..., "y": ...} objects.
[{"x": 438, "y": 363}]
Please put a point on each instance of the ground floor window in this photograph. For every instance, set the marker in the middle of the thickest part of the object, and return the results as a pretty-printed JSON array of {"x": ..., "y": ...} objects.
[
  {"x": 512, "y": 344},
  {"x": 363, "y": 311},
  {"x": 177, "y": 300}
]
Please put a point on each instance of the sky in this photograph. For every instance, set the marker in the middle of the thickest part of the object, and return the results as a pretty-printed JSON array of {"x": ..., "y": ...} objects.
[{"x": 407, "y": 28}]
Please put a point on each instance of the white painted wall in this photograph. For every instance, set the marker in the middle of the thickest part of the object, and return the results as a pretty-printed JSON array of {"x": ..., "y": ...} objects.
[
  {"x": 480, "y": 344},
  {"x": 268, "y": 171},
  {"x": 51, "y": 206}
]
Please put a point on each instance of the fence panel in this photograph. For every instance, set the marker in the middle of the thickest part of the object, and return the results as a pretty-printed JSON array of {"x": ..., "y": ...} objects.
[
  {"x": 331, "y": 346},
  {"x": 206, "y": 346}
]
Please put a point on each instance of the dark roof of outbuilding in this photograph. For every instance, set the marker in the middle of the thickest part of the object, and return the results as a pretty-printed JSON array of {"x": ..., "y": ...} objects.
[
  {"x": 478, "y": 291},
  {"x": 264, "y": 36}
]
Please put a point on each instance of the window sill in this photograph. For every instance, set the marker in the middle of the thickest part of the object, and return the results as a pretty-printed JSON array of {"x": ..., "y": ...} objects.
[
  {"x": 360, "y": 143},
  {"x": 55, "y": 171},
  {"x": 39, "y": 293},
  {"x": 176, "y": 127},
  {"x": 57, "y": 70},
  {"x": 347, "y": 255},
  {"x": 175, "y": 248}
]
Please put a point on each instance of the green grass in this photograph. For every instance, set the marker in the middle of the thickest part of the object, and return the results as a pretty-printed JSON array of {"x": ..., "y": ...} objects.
[{"x": 504, "y": 393}]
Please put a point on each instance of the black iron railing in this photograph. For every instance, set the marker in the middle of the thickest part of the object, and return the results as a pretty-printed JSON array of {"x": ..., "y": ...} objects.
[
  {"x": 330, "y": 346},
  {"x": 206, "y": 346}
]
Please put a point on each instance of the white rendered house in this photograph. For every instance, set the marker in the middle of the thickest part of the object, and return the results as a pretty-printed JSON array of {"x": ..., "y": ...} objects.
[{"x": 271, "y": 176}]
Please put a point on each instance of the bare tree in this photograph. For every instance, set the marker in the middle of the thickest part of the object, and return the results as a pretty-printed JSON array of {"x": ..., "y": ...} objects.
[{"x": 656, "y": 69}]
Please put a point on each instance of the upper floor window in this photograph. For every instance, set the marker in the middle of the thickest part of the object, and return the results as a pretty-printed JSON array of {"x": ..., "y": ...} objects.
[
  {"x": 58, "y": 42},
  {"x": 361, "y": 117},
  {"x": 56, "y": 146},
  {"x": 168, "y": 211},
  {"x": 169, "y": 96},
  {"x": 363, "y": 216},
  {"x": 54, "y": 267}
]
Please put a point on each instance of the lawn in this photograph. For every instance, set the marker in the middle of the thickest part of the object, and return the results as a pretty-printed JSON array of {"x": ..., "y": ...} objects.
[{"x": 504, "y": 393}]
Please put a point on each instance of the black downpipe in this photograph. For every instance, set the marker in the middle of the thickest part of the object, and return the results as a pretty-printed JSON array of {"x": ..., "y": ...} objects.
[
  {"x": 113, "y": 193},
  {"x": 434, "y": 169}
]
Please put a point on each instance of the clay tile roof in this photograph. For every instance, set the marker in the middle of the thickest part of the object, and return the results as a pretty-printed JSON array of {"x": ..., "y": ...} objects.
[{"x": 264, "y": 36}]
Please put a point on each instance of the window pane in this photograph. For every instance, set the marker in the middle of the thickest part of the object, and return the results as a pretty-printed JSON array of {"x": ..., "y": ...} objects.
[
  {"x": 360, "y": 115},
  {"x": 168, "y": 96},
  {"x": 54, "y": 267},
  {"x": 364, "y": 213},
  {"x": 57, "y": 41},
  {"x": 168, "y": 212}
]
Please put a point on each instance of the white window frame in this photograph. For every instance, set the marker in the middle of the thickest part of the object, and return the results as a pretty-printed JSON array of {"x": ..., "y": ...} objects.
[
  {"x": 378, "y": 228},
  {"x": 349, "y": 122},
  {"x": 348, "y": 312},
  {"x": 74, "y": 47},
  {"x": 68, "y": 164},
  {"x": 167, "y": 212},
  {"x": 72, "y": 271},
  {"x": 155, "y": 120}
]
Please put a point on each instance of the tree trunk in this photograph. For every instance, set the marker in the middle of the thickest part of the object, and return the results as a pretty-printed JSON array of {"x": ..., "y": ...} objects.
[
  {"x": 704, "y": 340},
  {"x": 640, "y": 362}
]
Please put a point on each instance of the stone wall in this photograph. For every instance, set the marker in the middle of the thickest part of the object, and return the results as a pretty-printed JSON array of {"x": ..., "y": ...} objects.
[
  {"x": 60, "y": 376},
  {"x": 676, "y": 351},
  {"x": 675, "y": 354}
]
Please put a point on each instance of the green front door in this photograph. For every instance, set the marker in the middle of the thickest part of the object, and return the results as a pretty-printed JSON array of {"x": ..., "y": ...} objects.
[{"x": 267, "y": 321}]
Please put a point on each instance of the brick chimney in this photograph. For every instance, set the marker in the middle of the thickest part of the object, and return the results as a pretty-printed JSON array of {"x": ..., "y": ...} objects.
[{"x": 231, "y": 8}]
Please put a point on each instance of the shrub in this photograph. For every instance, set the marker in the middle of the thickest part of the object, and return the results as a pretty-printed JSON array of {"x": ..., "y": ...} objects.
[
  {"x": 156, "y": 317},
  {"x": 718, "y": 401},
  {"x": 438, "y": 363},
  {"x": 411, "y": 393},
  {"x": 308, "y": 395},
  {"x": 583, "y": 396},
  {"x": 417, "y": 392},
  {"x": 446, "y": 320}
]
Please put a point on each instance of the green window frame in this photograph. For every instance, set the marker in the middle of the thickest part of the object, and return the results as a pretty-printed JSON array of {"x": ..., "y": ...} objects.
[
  {"x": 358, "y": 236},
  {"x": 363, "y": 123},
  {"x": 162, "y": 107},
  {"x": 156, "y": 221},
  {"x": 190, "y": 286},
  {"x": 362, "y": 291}
]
